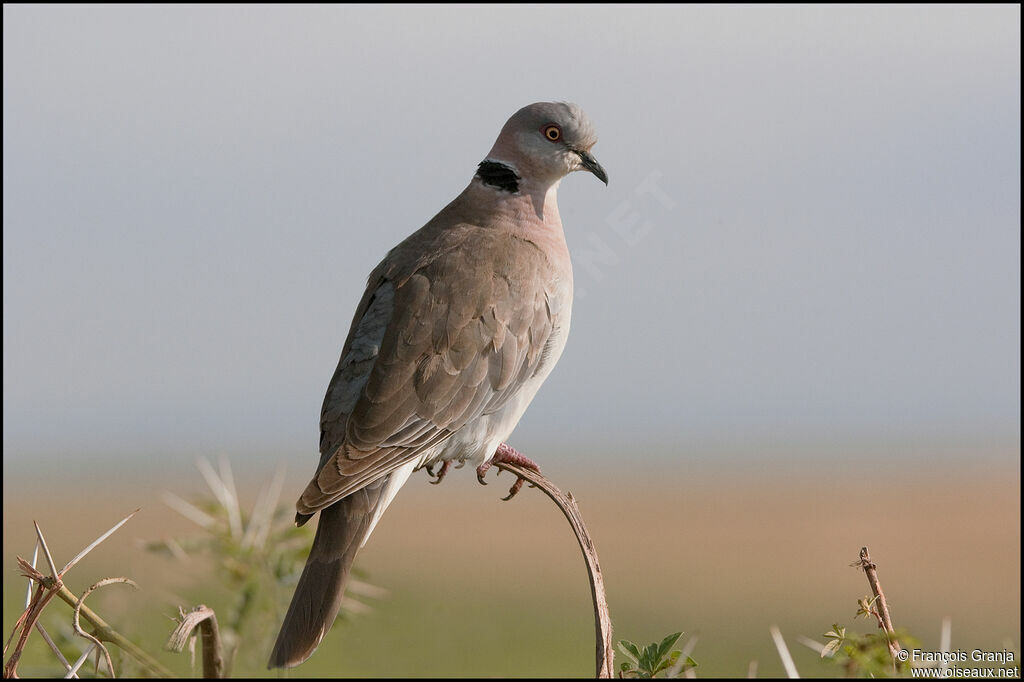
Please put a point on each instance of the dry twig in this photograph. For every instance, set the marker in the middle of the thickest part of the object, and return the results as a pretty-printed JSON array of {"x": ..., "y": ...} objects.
[
  {"x": 78, "y": 610},
  {"x": 109, "y": 634},
  {"x": 205, "y": 619},
  {"x": 49, "y": 586},
  {"x": 882, "y": 612},
  {"x": 787, "y": 659},
  {"x": 567, "y": 503}
]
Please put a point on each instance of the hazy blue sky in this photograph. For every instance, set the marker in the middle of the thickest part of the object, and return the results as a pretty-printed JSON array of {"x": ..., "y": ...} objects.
[{"x": 812, "y": 228}]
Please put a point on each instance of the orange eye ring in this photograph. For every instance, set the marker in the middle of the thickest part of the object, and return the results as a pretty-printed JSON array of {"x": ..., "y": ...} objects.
[{"x": 552, "y": 132}]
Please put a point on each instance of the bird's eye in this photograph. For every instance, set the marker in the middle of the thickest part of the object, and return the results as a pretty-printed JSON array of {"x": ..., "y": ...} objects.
[{"x": 553, "y": 133}]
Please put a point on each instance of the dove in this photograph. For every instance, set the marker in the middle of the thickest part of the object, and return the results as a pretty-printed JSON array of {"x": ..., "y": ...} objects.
[{"x": 459, "y": 326}]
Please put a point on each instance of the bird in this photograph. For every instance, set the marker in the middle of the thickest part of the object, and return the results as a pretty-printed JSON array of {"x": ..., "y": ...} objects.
[{"x": 459, "y": 326}]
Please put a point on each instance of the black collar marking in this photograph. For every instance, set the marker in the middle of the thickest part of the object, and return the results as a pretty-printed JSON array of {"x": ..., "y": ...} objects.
[{"x": 498, "y": 175}]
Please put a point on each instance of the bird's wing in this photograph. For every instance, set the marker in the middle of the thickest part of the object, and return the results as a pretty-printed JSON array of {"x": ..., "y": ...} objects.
[{"x": 431, "y": 349}]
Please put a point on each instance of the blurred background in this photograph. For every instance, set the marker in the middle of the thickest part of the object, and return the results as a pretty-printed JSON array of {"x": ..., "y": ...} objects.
[{"x": 796, "y": 332}]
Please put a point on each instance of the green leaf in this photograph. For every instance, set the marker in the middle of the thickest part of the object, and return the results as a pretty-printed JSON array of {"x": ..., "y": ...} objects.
[
  {"x": 666, "y": 644},
  {"x": 667, "y": 662},
  {"x": 629, "y": 649},
  {"x": 649, "y": 657},
  {"x": 836, "y": 632}
]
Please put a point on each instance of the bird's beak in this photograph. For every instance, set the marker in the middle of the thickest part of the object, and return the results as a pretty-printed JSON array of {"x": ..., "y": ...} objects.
[{"x": 591, "y": 164}]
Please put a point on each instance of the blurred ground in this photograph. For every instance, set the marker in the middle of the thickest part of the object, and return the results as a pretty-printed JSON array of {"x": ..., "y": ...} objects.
[{"x": 480, "y": 587}]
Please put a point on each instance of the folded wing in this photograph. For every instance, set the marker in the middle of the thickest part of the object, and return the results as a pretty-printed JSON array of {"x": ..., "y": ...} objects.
[{"x": 430, "y": 350}]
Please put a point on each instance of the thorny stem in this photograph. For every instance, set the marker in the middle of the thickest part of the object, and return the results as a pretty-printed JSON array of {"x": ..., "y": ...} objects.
[
  {"x": 27, "y": 623},
  {"x": 108, "y": 634},
  {"x": 885, "y": 621}
]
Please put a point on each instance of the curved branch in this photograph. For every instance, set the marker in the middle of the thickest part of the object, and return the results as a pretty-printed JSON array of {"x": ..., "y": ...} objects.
[
  {"x": 567, "y": 503},
  {"x": 109, "y": 634},
  {"x": 205, "y": 619},
  {"x": 78, "y": 609}
]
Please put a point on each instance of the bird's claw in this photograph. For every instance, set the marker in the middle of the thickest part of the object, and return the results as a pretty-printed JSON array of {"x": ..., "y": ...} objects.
[
  {"x": 514, "y": 489},
  {"x": 507, "y": 454},
  {"x": 439, "y": 476}
]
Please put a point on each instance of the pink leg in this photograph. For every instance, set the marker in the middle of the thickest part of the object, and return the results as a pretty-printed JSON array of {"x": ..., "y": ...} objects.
[{"x": 506, "y": 453}]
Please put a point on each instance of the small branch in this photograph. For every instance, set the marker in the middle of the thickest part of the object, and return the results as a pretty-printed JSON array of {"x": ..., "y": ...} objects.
[
  {"x": 109, "y": 634},
  {"x": 78, "y": 610},
  {"x": 205, "y": 619},
  {"x": 602, "y": 621},
  {"x": 52, "y": 585},
  {"x": 27, "y": 621},
  {"x": 787, "y": 659},
  {"x": 885, "y": 621}
]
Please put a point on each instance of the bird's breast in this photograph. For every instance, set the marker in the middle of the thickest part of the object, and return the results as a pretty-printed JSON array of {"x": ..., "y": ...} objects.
[{"x": 477, "y": 440}]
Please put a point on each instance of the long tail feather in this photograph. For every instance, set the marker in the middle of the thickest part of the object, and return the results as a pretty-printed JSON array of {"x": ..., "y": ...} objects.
[{"x": 342, "y": 530}]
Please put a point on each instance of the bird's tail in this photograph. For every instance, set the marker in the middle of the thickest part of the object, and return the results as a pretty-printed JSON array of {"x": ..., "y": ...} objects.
[{"x": 342, "y": 530}]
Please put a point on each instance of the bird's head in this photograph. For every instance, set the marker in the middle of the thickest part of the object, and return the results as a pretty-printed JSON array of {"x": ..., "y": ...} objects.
[{"x": 545, "y": 141}]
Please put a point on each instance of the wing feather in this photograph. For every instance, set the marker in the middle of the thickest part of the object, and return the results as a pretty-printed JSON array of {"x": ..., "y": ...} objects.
[{"x": 433, "y": 346}]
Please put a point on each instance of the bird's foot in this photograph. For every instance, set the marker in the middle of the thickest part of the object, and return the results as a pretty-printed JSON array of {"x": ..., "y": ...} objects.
[
  {"x": 439, "y": 476},
  {"x": 507, "y": 454}
]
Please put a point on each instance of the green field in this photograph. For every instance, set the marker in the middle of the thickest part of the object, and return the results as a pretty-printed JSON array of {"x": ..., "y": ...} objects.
[{"x": 479, "y": 587}]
